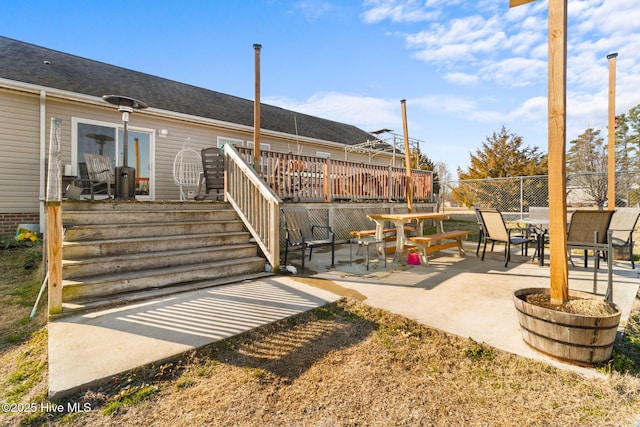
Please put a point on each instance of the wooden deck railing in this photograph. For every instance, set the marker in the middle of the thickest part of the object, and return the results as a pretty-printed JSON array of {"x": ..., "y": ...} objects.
[
  {"x": 255, "y": 202},
  {"x": 306, "y": 178}
]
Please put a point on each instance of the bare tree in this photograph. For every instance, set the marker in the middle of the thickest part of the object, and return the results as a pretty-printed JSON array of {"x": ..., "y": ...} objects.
[
  {"x": 444, "y": 177},
  {"x": 587, "y": 161}
]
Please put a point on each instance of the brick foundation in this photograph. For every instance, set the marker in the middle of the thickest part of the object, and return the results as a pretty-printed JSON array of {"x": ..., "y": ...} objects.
[{"x": 9, "y": 222}]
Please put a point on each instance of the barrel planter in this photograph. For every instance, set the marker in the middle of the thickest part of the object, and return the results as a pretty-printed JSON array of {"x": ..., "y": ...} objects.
[{"x": 575, "y": 338}]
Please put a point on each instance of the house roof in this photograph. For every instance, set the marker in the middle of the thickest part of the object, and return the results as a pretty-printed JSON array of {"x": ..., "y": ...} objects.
[{"x": 40, "y": 66}]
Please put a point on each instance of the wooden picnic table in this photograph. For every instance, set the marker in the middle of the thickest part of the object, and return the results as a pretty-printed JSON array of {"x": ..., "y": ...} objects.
[{"x": 400, "y": 220}]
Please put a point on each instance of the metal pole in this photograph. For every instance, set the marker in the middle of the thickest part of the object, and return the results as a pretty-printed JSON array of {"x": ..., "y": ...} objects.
[
  {"x": 407, "y": 156},
  {"x": 125, "y": 143},
  {"x": 521, "y": 198},
  {"x": 611, "y": 163}
]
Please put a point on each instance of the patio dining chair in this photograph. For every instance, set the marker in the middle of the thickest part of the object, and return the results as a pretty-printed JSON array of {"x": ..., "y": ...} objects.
[
  {"x": 622, "y": 226},
  {"x": 299, "y": 233},
  {"x": 495, "y": 230},
  {"x": 481, "y": 229},
  {"x": 588, "y": 232}
]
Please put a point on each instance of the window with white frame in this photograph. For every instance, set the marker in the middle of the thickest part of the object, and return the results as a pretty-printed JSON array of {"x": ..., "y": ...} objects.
[
  {"x": 263, "y": 146},
  {"x": 231, "y": 141}
]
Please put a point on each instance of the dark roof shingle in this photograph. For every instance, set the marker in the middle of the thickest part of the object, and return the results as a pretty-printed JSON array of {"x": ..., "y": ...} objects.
[{"x": 33, "y": 64}]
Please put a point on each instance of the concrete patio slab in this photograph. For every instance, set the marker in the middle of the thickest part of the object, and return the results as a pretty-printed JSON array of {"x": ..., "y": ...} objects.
[
  {"x": 469, "y": 297},
  {"x": 87, "y": 348}
]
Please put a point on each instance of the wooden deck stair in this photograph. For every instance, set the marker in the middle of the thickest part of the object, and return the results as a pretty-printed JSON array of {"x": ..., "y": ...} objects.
[{"x": 120, "y": 251}]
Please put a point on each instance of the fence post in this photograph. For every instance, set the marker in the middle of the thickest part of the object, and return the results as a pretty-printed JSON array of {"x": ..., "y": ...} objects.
[{"x": 521, "y": 197}]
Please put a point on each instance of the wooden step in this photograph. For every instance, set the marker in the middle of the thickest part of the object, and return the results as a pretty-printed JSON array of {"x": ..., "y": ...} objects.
[
  {"x": 110, "y": 301},
  {"x": 71, "y": 218},
  {"x": 113, "y": 247},
  {"x": 121, "y": 231},
  {"x": 88, "y": 267},
  {"x": 117, "y": 283},
  {"x": 142, "y": 205}
]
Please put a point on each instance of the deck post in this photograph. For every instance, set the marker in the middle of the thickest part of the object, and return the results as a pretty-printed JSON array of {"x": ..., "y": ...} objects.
[
  {"x": 611, "y": 136},
  {"x": 54, "y": 219},
  {"x": 559, "y": 270}
]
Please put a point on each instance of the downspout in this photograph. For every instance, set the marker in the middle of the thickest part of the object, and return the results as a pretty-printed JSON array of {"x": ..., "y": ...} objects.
[
  {"x": 42, "y": 174},
  {"x": 43, "y": 151}
]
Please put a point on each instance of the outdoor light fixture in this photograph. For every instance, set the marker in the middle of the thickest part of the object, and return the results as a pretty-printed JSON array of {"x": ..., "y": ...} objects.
[{"x": 125, "y": 176}]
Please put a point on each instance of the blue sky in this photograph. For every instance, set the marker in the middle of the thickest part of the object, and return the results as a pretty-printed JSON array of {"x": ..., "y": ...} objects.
[{"x": 466, "y": 68}]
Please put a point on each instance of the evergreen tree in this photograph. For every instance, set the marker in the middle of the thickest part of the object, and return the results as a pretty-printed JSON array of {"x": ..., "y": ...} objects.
[
  {"x": 422, "y": 162},
  {"x": 502, "y": 155}
]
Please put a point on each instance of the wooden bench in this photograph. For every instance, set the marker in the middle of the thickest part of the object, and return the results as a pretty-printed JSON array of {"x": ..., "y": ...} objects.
[{"x": 437, "y": 242}]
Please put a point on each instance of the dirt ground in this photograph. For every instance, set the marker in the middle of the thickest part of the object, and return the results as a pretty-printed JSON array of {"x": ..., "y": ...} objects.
[{"x": 345, "y": 364}]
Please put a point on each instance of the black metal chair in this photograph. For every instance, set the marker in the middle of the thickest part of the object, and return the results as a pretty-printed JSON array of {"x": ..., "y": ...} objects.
[
  {"x": 299, "y": 233},
  {"x": 481, "y": 230}
]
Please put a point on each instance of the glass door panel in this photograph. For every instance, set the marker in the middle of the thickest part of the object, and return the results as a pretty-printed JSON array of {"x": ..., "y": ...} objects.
[
  {"x": 93, "y": 139},
  {"x": 138, "y": 157}
]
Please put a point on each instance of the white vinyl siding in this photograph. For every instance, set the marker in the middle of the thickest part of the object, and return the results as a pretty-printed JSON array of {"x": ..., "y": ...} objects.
[
  {"x": 20, "y": 148},
  {"x": 20, "y": 143}
]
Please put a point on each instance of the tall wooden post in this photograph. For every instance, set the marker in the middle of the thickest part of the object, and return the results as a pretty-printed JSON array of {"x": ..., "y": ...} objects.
[
  {"x": 559, "y": 268},
  {"x": 407, "y": 156},
  {"x": 611, "y": 163},
  {"x": 256, "y": 113},
  {"x": 54, "y": 219}
]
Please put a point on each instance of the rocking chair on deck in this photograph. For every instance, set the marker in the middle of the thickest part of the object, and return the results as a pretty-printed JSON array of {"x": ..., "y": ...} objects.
[
  {"x": 99, "y": 178},
  {"x": 213, "y": 174}
]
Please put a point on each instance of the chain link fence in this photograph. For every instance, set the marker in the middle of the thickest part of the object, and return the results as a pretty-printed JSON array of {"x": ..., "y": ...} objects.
[{"x": 513, "y": 195}]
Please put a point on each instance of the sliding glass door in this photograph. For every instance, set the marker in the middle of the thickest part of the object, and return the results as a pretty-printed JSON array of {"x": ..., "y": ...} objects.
[{"x": 106, "y": 139}]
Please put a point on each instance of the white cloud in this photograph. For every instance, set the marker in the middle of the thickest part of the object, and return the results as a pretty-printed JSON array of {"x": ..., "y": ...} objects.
[
  {"x": 311, "y": 10},
  {"x": 515, "y": 72},
  {"x": 461, "y": 78},
  {"x": 533, "y": 109},
  {"x": 365, "y": 112},
  {"x": 397, "y": 11}
]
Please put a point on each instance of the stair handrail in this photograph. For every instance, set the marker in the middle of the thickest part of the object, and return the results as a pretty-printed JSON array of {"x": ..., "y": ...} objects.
[{"x": 255, "y": 202}]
